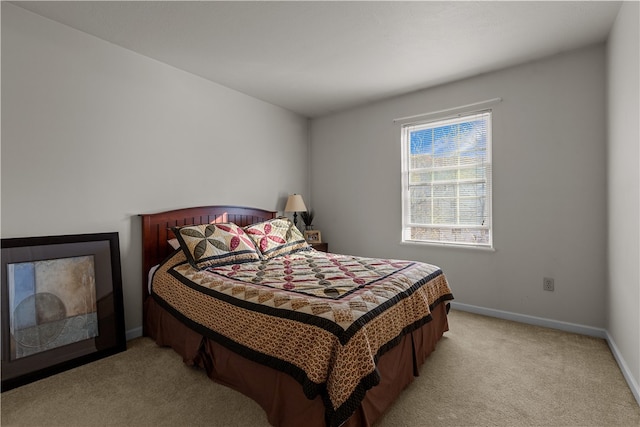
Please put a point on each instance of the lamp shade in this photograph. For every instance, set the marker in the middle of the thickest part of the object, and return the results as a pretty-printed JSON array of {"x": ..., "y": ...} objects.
[{"x": 295, "y": 204}]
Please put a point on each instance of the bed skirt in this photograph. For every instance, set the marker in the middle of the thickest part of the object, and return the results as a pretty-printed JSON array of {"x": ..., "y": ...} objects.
[{"x": 281, "y": 396}]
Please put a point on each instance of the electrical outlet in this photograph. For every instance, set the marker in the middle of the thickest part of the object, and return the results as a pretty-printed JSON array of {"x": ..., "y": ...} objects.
[{"x": 547, "y": 284}]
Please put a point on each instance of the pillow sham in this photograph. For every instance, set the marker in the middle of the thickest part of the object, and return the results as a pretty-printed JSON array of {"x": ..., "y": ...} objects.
[
  {"x": 209, "y": 245},
  {"x": 276, "y": 237}
]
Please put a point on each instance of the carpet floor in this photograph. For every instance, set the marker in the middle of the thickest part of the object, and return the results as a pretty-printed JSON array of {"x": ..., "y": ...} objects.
[{"x": 484, "y": 372}]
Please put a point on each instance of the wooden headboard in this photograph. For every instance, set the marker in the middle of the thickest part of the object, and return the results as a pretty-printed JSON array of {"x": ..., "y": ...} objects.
[{"x": 156, "y": 229}]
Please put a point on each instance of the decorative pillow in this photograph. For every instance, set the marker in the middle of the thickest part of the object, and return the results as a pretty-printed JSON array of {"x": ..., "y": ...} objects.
[
  {"x": 275, "y": 237},
  {"x": 215, "y": 244}
]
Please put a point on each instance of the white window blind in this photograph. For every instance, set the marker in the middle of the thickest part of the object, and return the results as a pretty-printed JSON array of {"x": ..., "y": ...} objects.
[{"x": 446, "y": 179}]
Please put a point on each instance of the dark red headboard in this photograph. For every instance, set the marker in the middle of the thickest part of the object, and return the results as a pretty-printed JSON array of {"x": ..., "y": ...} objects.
[{"x": 156, "y": 229}]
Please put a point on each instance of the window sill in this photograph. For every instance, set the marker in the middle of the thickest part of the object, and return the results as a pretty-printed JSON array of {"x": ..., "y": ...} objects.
[{"x": 449, "y": 246}]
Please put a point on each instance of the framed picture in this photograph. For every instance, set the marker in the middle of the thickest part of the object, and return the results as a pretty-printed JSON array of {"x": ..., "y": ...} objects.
[
  {"x": 313, "y": 236},
  {"x": 61, "y": 304}
]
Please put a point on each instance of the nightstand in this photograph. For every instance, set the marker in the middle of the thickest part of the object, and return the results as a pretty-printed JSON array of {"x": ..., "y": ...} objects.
[{"x": 324, "y": 247}]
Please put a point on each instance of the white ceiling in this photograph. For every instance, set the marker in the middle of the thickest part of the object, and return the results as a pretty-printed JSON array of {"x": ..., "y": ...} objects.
[{"x": 317, "y": 57}]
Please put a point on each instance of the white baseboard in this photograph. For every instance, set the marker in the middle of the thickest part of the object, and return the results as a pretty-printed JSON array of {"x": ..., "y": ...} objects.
[
  {"x": 563, "y": 326},
  {"x": 633, "y": 385},
  {"x": 134, "y": 333},
  {"x": 532, "y": 320}
]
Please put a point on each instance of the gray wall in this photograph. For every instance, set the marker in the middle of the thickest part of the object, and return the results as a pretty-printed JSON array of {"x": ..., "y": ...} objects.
[
  {"x": 93, "y": 135},
  {"x": 549, "y": 154},
  {"x": 624, "y": 187}
]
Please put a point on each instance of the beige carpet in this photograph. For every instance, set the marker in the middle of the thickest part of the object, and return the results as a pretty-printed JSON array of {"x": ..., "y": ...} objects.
[{"x": 485, "y": 372}]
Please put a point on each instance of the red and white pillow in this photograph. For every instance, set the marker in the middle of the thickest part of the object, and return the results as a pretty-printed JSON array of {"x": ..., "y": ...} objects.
[{"x": 276, "y": 237}]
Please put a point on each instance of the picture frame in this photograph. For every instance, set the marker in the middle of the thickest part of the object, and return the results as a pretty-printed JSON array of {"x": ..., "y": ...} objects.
[
  {"x": 313, "y": 236},
  {"x": 62, "y": 304}
]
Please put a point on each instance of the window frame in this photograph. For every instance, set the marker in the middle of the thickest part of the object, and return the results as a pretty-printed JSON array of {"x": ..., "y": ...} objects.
[{"x": 434, "y": 121}]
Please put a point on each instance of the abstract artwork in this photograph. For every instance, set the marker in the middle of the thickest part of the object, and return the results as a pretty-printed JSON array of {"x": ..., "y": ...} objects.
[
  {"x": 62, "y": 305},
  {"x": 52, "y": 303}
]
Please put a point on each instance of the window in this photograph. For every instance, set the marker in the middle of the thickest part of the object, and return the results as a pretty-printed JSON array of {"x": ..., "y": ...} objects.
[{"x": 446, "y": 181}]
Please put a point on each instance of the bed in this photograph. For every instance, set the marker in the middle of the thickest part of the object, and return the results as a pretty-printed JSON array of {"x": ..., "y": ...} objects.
[{"x": 314, "y": 338}]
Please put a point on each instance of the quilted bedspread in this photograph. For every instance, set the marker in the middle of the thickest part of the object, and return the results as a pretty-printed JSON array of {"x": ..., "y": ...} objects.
[{"x": 323, "y": 318}]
